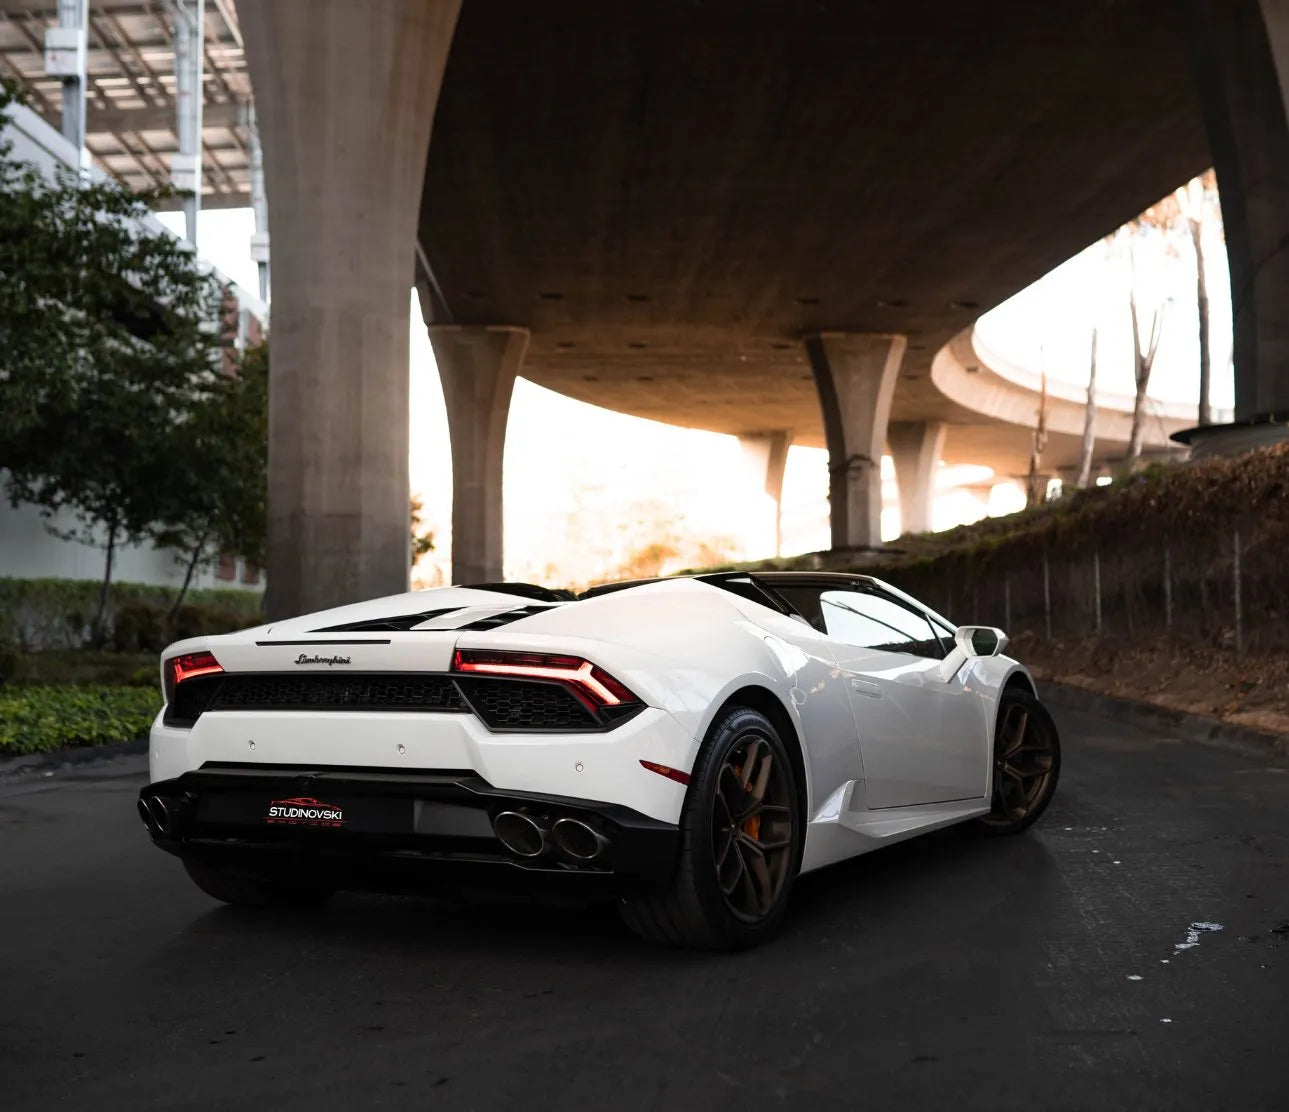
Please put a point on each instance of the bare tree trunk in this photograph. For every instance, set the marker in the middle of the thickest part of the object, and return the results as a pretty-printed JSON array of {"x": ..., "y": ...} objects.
[
  {"x": 1089, "y": 421},
  {"x": 197, "y": 551},
  {"x": 1139, "y": 398},
  {"x": 1197, "y": 199},
  {"x": 1035, "y": 483},
  {"x": 1142, "y": 363},
  {"x": 96, "y": 626},
  {"x": 1201, "y": 305}
]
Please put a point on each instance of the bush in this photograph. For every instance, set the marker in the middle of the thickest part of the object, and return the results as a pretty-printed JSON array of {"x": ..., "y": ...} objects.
[
  {"x": 38, "y": 719},
  {"x": 9, "y": 658},
  {"x": 55, "y": 613},
  {"x": 55, "y": 667},
  {"x": 207, "y": 620},
  {"x": 139, "y": 627}
]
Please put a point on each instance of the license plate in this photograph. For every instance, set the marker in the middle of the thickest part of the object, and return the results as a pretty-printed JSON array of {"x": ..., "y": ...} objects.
[
  {"x": 301, "y": 812},
  {"x": 305, "y": 810}
]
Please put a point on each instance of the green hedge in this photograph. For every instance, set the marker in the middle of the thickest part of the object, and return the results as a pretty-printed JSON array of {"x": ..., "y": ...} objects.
[
  {"x": 37, "y": 719},
  {"x": 54, "y": 667},
  {"x": 56, "y": 613}
]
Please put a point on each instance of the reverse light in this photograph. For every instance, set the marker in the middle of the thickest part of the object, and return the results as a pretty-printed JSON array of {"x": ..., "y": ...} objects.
[
  {"x": 589, "y": 682},
  {"x": 188, "y": 666}
]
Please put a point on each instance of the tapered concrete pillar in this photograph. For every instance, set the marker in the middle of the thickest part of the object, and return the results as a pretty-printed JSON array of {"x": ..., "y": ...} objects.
[
  {"x": 1241, "y": 55},
  {"x": 765, "y": 455},
  {"x": 855, "y": 374},
  {"x": 916, "y": 448},
  {"x": 477, "y": 366},
  {"x": 345, "y": 96}
]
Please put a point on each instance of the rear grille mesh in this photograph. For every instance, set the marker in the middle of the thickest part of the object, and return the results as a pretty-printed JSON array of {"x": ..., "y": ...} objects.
[
  {"x": 500, "y": 703},
  {"x": 527, "y": 705},
  {"x": 248, "y": 691}
]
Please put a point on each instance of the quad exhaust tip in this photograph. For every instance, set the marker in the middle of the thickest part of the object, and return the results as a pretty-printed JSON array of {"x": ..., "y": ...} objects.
[
  {"x": 578, "y": 839},
  {"x": 156, "y": 815},
  {"x": 520, "y": 833}
]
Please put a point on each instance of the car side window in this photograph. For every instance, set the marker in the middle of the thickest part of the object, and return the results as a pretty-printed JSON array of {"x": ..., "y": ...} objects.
[{"x": 872, "y": 621}]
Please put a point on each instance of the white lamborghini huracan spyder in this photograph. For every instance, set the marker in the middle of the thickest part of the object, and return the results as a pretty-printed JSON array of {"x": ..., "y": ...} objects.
[{"x": 686, "y": 746}]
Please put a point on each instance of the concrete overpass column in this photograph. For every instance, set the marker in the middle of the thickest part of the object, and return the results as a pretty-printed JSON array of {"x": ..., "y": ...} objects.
[
  {"x": 916, "y": 448},
  {"x": 1241, "y": 55},
  {"x": 477, "y": 366},
  {"x": 766, "y": 455},
  {"x": 345, "y": 97},
  {"x": 855, "y": 376}
]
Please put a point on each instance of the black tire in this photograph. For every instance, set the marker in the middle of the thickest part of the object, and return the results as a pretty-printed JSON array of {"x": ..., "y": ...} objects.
[
  {"x": 695, "y": 910},
  {"x": 1026, "y": 764},
  {"x": 248, "y": 889}
]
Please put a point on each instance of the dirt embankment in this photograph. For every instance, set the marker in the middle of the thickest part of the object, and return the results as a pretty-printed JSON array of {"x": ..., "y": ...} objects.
[
  {"x": 1250, "y": 689},
  {"x": 1170, "y": 586}
]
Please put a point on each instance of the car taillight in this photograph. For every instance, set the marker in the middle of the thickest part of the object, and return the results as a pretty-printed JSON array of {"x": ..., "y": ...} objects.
[
  {"x": 186, "y": 667},
  {"x": 589, "y": 682}
]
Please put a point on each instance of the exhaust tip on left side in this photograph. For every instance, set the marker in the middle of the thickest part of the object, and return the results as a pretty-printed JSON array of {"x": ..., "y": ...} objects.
[
  {"x": 160, "y": 814},
  {"x": 520, "y": 833}
]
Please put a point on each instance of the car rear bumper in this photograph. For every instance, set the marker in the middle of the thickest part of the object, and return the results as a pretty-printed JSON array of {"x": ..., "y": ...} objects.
[
  {"x": 393, "y": 831},
  {"x": 600, "y": 766}
]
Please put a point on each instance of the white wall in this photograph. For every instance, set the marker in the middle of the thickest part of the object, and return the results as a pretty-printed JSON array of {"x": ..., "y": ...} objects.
[{"x": 29, "y": 551}]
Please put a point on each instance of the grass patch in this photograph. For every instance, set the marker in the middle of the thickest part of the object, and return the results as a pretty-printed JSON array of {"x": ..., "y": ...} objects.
[{"x": 36, "y": 719}]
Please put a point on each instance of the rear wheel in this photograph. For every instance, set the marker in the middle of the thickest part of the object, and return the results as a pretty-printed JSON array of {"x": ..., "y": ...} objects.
[
  {"x": 248, "y": 889},
  {"x": 1027, "y": 763},
  {"x": 740, "y": 843}
]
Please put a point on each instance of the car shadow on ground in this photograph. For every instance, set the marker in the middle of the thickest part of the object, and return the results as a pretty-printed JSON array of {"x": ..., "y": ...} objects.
[{"x": 881, "y": 897}]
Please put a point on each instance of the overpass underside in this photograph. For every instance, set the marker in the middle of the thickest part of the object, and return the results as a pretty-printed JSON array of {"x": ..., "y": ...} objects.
[{"x": 756, "y": 218}]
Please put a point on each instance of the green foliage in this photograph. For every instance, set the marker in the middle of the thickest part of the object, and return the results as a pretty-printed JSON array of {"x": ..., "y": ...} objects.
[
  {"x": 9, "y": 659},
  {"x": 220, "y": 480},
  {"x": 38, "y": 719},
  {"x": 110, "y": 345},
  {"x": 55, "y": 613},
  {"x": 84, "y": 666},
  {"x": 140, "y": 626},
  {"x": 196, "y": 620}
]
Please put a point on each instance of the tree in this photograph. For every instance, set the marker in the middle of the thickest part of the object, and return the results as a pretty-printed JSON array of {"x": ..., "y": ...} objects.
[
  {"x": 1035, "y": 481},
  {"x": 1143, "y": 361},
  {"x": 109, "y": 342},
  {"x": 1197, "y": 202},
  {"x": 219, "y": 471},
  {"x": 1160, "y": 218},
  {"x": 1084, "y": 474}
]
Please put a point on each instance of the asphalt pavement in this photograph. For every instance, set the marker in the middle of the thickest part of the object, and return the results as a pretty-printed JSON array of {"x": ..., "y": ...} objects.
[{"x": 1130, "y": 952}]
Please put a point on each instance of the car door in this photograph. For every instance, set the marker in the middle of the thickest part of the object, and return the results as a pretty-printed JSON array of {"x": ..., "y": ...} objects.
[{"x": 923, "y": 739}]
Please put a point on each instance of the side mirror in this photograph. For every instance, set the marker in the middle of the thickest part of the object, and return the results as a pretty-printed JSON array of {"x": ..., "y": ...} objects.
[
  {"x": 969, "y": 643},
  {"x": 980, "y": 640}
]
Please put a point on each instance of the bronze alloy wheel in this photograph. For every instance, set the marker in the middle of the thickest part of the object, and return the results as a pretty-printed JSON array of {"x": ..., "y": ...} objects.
[
  {"x": 752, "y": 828},
  {"x": 1026, "y": 763},
  {"x": 740, "y": 842}
]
